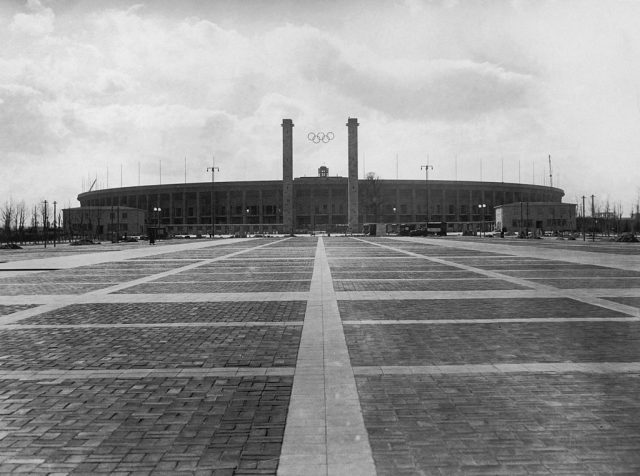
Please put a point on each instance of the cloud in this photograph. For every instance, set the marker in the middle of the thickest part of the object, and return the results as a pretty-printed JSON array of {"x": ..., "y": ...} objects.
[
  {"x": 440, "y": 90},
  {"x": 437, "y": 89},
  {"x": 110, "y": 82},
  {"x": 24, "y": 126},
  {"x": 39, "y": 22}
]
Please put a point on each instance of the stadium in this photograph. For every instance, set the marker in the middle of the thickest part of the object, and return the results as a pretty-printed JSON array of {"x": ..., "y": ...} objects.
[{"x": 311, "y": 204}]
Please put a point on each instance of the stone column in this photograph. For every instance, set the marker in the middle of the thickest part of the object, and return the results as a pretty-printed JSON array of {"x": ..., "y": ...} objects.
[
  {"x": 171, "y": 223},
  {"x": 287, "y": 176},
  {"x": 198, "y": 217},
  {"x": 260, "y": 214},
  {"x": 228, "y": 212},
  {"x": 244, "y": 208},
  {"x": 330, "y": 211},
  {"x": 352, "y": 192},
  {"x": 414, "y": 205}
]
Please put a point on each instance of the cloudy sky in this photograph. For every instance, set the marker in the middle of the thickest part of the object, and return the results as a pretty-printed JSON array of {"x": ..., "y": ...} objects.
[{"x": 482, "y": 90}]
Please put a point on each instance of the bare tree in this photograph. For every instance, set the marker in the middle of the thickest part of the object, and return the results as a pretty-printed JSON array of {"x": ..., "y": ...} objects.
[
  {"x": 21, "y": 217},
  {"x": 607, "y": 217},
  {"x": 34, "y": 223},
  {"x": 8, "y": 212}
]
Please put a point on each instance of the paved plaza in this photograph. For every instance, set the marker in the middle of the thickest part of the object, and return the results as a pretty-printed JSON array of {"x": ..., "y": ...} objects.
[{"x": 321, "y": 356}]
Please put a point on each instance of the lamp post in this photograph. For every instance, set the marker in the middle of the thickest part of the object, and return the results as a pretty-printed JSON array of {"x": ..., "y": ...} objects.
[
  {"x": 481, "y": 207},
  {"x": 584, "y": 215},
  {"x": 154, "y": 232},
  {"x": 213, "y": 211},
  {"x": 54, "y": 223},
  {"x": 521, "y": 219},
  {"x": 157, "y": 211},
  {"x": 593, "y": 219},
  {"x": 426, "y": 187}
]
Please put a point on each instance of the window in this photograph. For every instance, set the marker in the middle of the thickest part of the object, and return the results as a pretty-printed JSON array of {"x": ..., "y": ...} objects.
[{"x": 124, "y": 215}]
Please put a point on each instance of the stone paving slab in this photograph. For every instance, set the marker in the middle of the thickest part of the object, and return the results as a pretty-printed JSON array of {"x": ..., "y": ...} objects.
[
  {"x": 205, "y": 253},
  {"x": 629, "y": 301},
  {"x": 60, "y": 301},
  {"x": 152, "y": 347},
  {"x": 396, "y": 274},
  {"x": 176, "y": 312},
  {"x": 483, "y": 283},
  {"x": 11, "y": 308},
  {"x": 474, "y": 308},
  {"x": 594, "y": 272},
  {"x": 49, "y": 288},
  {"x": 390, "y": 264},
  {"x": 246, "y": 276},
  {"x": 162, "y": 425},
  {"x": 218, "y": 287},
  {"x": 78, "y": 279},
  {"x": 146, "y": 264},
  {"x": 587, "y": 283},
  {"x": 503, "y": 424},
  {"x": 242, "y": 264},
  {"x": 493, "y": 343}
]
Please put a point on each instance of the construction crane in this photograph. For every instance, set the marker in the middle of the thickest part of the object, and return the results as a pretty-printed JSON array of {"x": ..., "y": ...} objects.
[{"x": 550, "y": 173}]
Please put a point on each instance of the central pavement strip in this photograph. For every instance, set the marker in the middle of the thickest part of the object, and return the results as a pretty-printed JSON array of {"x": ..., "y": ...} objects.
[{"x": 325, "y": 432}]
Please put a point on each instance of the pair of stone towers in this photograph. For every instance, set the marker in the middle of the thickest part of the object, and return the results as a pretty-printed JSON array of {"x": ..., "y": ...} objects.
[{"x": 287, "y": 175}]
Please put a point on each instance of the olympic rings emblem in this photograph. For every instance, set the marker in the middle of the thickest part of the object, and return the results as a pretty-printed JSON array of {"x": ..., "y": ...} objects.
[{"x": 317, "y": 137}]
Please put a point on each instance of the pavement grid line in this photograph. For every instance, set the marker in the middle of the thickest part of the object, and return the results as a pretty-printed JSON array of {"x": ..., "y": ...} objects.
[
  {"x": 526, "y": 367},
  {"x": 187, "y": 372}
]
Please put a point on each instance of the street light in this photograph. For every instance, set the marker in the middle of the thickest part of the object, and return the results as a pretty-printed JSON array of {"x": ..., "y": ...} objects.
[
  {"x": 481, "y": 207},
  {"x": 426, "y": 186},
  {"x": 213, "y": 211},
  {"x": 54, "y": 223},
  {"x": 153, "y": 232}
]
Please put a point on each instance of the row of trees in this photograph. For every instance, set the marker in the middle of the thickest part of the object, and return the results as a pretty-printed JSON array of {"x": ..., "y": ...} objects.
[
  {"x": 605, "y": 217},
  {"x": 28, "y": 224}
]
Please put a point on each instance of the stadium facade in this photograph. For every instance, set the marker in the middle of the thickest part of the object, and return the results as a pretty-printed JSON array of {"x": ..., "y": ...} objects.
[{"x": 305, "y": 204}]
